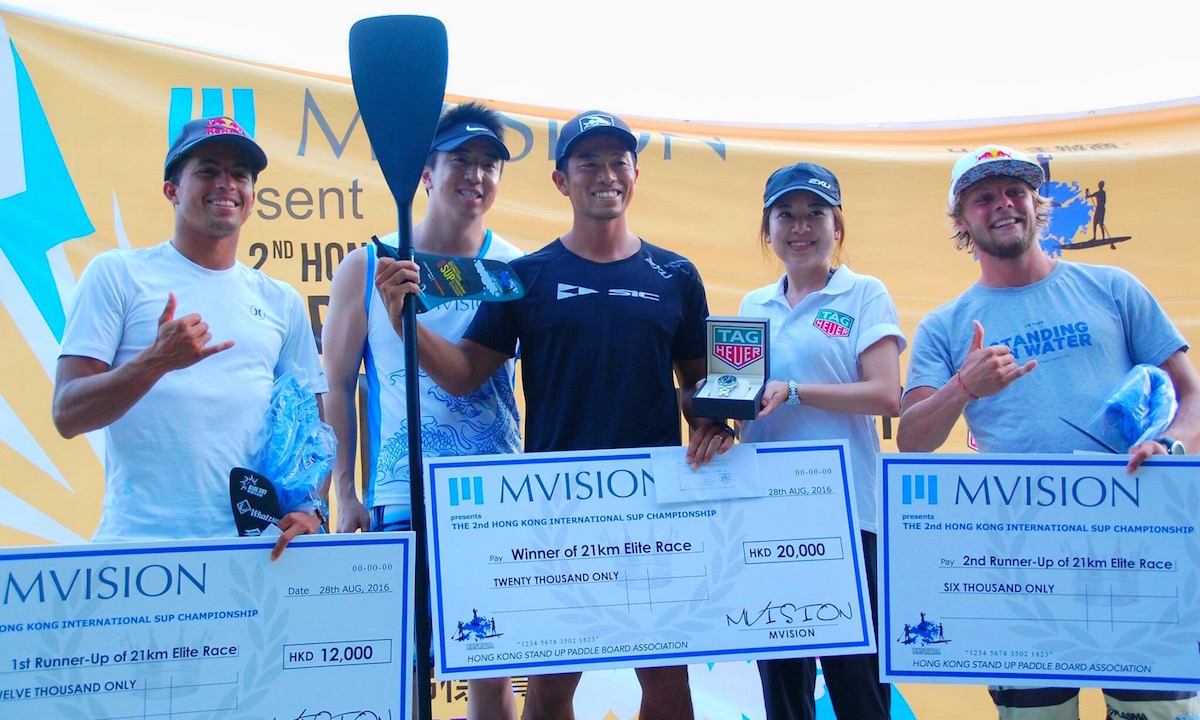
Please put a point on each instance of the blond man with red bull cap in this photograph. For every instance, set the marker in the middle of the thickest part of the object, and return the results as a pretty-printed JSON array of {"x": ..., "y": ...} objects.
[
  {"x": 173, "y": 351},
  {"x": 977, "y": 357}
]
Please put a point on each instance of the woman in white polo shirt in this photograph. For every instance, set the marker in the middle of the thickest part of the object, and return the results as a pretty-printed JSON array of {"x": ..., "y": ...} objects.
[{"x": 835, "y": 349}]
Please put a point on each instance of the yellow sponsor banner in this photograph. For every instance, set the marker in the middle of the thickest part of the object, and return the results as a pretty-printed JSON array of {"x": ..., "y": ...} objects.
[{"x": 86, "y": 119}]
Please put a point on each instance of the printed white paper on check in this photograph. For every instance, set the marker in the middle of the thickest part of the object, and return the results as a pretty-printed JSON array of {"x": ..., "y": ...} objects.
[{"x": 729, "y": 476}]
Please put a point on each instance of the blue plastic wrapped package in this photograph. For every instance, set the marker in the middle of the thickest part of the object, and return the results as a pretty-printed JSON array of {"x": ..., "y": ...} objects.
[
  {"x": 297, "y": 448},
  {"x": 1141, "y": 407}
]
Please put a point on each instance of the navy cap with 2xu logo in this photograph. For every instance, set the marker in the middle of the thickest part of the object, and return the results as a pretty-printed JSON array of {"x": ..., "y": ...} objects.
[
  {"x": 587, "y": 124},
  {"x": 803, "y": 176},
  {"x": 452, "y": 137}
]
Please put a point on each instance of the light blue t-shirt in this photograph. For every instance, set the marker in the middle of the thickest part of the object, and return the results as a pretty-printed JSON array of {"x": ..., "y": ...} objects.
[{"x": 1086, "y": 325}]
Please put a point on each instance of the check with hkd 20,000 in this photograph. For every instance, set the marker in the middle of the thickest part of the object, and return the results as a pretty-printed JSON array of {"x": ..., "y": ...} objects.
[{"x": 551, "y": 562}]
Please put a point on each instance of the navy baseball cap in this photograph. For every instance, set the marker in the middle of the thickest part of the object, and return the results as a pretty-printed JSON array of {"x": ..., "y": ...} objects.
[
  {"x": 803, "y": 176},
  {"x": 212, "y": 129},
  {"x": 587, "y": 124},
  {"x": 453, "y": 136}
]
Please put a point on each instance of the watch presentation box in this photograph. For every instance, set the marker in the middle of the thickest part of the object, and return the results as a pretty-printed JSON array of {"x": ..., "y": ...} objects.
[{"x": 739, "y": 365}]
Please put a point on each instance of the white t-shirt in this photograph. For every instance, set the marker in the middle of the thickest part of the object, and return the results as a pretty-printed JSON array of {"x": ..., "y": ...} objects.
[
  {"x": 819, "y": 341},
  {"x": 483, "y": 422},
  {"x": 169, "y": 457}
]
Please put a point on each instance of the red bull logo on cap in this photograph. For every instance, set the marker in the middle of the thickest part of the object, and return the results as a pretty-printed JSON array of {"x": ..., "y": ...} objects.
[
  {"x": 223, "y": 126},
  {"x": 992, "y": 154}
]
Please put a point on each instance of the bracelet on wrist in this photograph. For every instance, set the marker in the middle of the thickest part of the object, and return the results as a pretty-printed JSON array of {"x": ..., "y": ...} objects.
[{"x": 958, "y": 377}]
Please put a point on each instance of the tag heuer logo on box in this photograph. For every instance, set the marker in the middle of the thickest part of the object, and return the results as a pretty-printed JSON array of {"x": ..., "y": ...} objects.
[
  {"x": 737, "y": 346},
  {"x": 833, "y": 323}
]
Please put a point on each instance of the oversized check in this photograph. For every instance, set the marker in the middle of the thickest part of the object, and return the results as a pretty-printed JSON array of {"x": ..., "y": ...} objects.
[
  {"x": 1050, "y": 570},
  {"x": 209, "y": 629},
  {"x": 549, "y": 562}
]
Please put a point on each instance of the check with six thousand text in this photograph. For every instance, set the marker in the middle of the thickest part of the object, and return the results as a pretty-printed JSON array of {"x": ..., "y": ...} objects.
[
  {"x": 1044, "y": 570},
  {"x": 549, "y": 562},
  {"x": 209, "y": 629}
]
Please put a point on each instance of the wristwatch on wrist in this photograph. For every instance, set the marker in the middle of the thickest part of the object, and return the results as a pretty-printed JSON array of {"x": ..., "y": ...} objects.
[
  {"x": 1173, "y": 446},
  {"x": 793, "y": 398},
  {"x": 319, "y": 508}
]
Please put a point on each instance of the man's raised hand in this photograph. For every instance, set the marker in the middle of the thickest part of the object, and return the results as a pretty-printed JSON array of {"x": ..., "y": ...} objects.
[
  {"x": 988, "y": 370},
  {"x": 184, "y": 342}
]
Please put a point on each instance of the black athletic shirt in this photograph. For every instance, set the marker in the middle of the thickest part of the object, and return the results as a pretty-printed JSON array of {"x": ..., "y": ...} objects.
[{"x": 598, "y": 343}]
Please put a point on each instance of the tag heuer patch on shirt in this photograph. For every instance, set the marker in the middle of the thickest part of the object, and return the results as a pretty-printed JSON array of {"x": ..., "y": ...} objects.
[{"x": 833, "y": 323}]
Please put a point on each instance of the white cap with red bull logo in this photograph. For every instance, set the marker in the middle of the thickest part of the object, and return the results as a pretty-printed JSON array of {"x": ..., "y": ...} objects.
[{"x": 990, "y": 161}]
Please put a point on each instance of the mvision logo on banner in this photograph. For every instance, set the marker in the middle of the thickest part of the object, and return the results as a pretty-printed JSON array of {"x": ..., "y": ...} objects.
[{"x": 212, "y": 103}]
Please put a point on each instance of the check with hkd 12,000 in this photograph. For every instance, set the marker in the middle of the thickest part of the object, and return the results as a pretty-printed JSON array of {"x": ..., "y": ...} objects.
[{"x": 208, "y": 629}]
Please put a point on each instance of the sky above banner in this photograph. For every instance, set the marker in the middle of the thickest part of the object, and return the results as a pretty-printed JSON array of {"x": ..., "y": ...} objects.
[{"x": 790, "y": 62}]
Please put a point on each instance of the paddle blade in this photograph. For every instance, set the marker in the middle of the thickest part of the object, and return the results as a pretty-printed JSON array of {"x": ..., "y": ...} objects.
[
  {"x": 398, "y": 68},
  {"x": 445, "y": 279}
]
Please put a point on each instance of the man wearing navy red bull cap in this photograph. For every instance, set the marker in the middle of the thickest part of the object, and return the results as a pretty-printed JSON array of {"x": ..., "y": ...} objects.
[
  {"x": 1114, "y": 323},
  {"x": 590, "y": 296},
  {"x": 174, "y": 350},
  {"x": 461, "y": 178}
]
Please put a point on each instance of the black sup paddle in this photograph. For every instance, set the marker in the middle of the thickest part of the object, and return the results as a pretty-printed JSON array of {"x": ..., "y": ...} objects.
[{"x": 398, "y": 68}]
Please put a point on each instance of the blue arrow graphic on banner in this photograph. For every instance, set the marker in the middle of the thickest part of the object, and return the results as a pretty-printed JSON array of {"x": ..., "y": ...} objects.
[{"x": 48, "y": 213}]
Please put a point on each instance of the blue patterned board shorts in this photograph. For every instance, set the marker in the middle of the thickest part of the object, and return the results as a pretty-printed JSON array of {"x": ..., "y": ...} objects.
[{"x": 391, "y": 518}]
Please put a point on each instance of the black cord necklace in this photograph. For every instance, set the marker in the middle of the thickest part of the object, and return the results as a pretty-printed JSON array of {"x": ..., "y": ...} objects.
[{"x": 828, "y": 277}]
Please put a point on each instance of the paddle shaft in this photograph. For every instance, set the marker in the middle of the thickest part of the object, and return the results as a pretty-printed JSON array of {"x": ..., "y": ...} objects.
[{"x": 416, "y": 477}]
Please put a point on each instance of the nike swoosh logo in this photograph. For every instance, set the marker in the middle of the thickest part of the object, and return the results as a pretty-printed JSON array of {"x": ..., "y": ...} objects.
[{"x": 476, "y": 128}]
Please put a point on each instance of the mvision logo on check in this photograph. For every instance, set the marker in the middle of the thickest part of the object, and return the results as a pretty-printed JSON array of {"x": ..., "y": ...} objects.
[
  {"x": 1085, "y": 491},
  {"x": 919, "y": 488},
  {"x": 464, "y": 489},
  {"x": 618, "y": 483}
]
